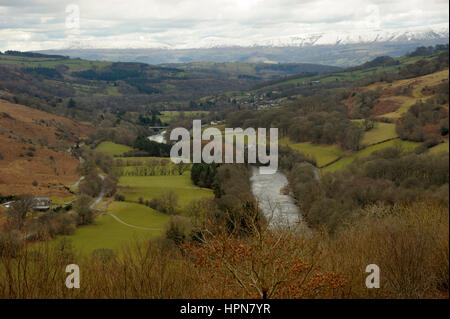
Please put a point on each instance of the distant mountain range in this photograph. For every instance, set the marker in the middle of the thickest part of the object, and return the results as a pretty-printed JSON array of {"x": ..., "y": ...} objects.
[
  {"x": 332, "y": 48},
  {"x": 430, "y": 33}
]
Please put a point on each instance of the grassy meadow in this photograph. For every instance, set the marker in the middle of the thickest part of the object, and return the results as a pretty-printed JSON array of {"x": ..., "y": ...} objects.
[
  {"x": 323, "y": 154},
  {"x": 380, "y": 132},
  {"x": 44, "y": 62},
  {"x": 443, "y": 147},
  {"x": 133, "y": 221},
  {"x": 406, "y": 145},
  {"x": 113, "y": 148},
  {"x": 149, "y": 187},
  {"x": 107, "y": 232}
]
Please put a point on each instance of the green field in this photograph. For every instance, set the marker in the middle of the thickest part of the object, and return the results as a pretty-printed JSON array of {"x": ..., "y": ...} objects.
[
  {"x": 406, "y": 145},
  {"x": 72, "y": 64},
  {"x": 149, "y": 187},
  {"x": 113, "y": 148},
  {"x": 443, "y": 147},
  {"x": 170, "y": 116},
  {"x": 323, "y": 154},
  {"x": 107, "y": 232},
  {"x": 380, "y": 132},
  {"x": 62, "y": 200},
  {"x": 350, "y": 76},
  {"x": 146, "y": 166}
]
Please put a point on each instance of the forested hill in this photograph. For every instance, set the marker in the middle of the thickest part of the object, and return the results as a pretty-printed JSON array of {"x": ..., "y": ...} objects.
[{"x": 124, "y": 99}]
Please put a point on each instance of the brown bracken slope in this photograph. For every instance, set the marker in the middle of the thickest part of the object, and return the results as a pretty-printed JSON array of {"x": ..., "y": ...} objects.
[{"x": 33, "y": 148}]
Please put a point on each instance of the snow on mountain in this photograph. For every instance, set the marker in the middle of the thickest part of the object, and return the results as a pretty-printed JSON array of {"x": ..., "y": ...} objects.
[
  {"x": 438, "y": 33},
  {"x": 435, "y": 32}
]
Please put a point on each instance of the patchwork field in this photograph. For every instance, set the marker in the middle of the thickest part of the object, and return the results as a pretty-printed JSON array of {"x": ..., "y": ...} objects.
[
  {"x": 113, "y": 148},
  {"x": 406, "y": 145},
  {"x": 416, "y": 86},
  {"x": 323, "y": 154},
  {"x": 380, "y": 132},
  {"x": 107, "y": 232},
  {"x": 147, "y": 166},
  {"x": 149, "y": 187},
  {"x": 44, "y": 62}
]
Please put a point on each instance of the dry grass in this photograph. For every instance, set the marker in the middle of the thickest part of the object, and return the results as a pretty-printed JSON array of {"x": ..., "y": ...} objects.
[
  {"x": 33, "y": 146},
  {"x": 408, "y": 242},
  {"x": 392, "y": 105}
]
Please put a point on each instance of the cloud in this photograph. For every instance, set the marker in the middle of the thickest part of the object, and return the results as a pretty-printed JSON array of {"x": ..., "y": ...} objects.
[{"x": 41, "y": 24}]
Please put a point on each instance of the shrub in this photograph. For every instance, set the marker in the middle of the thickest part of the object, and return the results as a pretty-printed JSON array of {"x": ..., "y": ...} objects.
[
  {"x": 103, "y": 254},
  {"x": 119, "y": 197},
  {"x": 409, "y": 242},
  {"x": 167, "y": 203},
  {"x": 176, "y": 231},
  {"x": 10, "y": 243}
]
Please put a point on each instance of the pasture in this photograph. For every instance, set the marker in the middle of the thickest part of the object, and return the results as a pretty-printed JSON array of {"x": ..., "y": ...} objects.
[
  {"x": 417, "y": 84},
  {"x": 107, "y": 232},
  {"x": 149, "y": 187},
  {"x": 406, "y": 145},
  {"x": 443, "y": 147},
  {"x": 323, "y": 154},
  {"x": 380, "y": 132},
  {"x": 113, "y": 148},
  {"x": 44, "y": 62}
]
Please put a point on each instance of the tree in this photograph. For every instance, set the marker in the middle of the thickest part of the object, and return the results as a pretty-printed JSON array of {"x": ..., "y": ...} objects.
[
  {"x": 176, "y": 231},
  {"x": 182, "y": 167},
  {"x": 82, "y": 208},
  {"x": 166, "y": 203},
  {"x": 353, "y": 137},
  {"x": 71, "y": 104},
  {"x": 92, "y": 185},
  {"x": 18, "y": 211},
  {"x": 268, "y": 264}
]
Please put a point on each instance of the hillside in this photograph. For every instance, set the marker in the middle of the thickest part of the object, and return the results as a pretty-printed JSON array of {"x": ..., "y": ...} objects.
[
  {"x": 396, "y": 98},
  {"x": 338, "y": 51},
  {"x": 377, "y": 108},
  {"x": 33, "y": 151},
  {"x": 180, "y": 82}
]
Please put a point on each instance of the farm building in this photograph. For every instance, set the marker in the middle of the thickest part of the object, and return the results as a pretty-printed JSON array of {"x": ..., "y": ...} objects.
[{"x": 42, "y": 203}]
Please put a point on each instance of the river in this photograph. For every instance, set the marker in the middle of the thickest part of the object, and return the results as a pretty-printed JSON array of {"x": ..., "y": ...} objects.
[
  {"x": 279, "y": 209},
  {"x": 160, "y": 137}
]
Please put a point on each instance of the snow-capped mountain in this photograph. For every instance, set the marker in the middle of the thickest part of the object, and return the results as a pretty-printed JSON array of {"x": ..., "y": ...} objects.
[
  {"x": 439, "y": 33},
  {"x": 330, "y": 48},
  {"x": 435, "y": 32}
]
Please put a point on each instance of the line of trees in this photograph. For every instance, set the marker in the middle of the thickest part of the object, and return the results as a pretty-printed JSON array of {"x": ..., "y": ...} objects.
[{"x": 389, "y": 176}]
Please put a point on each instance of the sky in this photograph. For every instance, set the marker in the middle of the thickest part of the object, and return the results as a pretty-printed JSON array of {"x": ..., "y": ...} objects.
[{"x": 50, "y": 24}]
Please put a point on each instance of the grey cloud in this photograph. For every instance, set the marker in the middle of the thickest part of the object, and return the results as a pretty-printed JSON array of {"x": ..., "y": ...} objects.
[{"x": 40, "y": 24}]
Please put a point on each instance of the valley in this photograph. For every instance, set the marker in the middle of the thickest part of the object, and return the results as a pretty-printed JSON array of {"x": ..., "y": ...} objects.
[{"x": 362, "y": 167}]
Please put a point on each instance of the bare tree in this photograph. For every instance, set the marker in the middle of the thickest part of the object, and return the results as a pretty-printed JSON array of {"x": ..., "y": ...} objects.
[
  {"x": 83, "y": 210},
  {"x": 18, "y": 211},
  {"x": 269, "y": 263}
]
